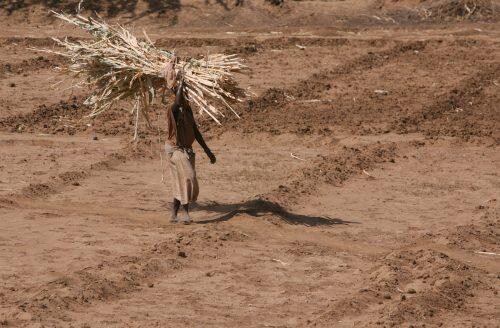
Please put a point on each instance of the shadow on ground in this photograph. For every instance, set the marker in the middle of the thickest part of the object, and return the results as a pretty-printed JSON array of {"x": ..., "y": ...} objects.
[{"x": 261, "y": 207}]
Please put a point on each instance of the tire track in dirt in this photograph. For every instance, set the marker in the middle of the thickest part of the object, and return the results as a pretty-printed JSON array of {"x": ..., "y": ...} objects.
[{"x": 456, "y": 114}]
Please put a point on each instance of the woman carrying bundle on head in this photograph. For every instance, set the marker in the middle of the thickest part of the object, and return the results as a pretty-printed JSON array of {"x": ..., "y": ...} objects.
[
  {"x": 121, "y": 67},
  {"x": 182, "y": 131}
]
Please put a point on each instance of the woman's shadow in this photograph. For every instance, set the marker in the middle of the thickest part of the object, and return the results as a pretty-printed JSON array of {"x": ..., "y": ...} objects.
[{"x": 260, "y": 207}]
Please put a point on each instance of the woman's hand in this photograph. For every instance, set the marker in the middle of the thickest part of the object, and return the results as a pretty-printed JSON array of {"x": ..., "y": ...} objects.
[{"x": 211, "y": 156}]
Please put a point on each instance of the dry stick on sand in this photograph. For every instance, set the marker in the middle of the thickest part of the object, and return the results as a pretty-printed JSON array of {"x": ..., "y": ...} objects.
[
  {"x": 296, "y": 157},
  {"x": 119, "y": 66},
  {"x": 487, "y": 253}
]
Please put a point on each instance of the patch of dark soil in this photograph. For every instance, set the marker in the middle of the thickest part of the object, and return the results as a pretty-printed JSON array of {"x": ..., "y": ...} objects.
[
  {"x": 73, "y": 176},
  {"x": 432, "y": 283},
  {"x": 303, "y": 249},
  {"x": 28, "y": 42},
  {"x": 463, "y": 9},
  {"x": 107, "y": 164},
  {"x": 250, "y": 45},
  {"x": 270, "y": 98},
  {"x": 70, "y": 117},
  {"x": 69, "y": 178},
  {"x": 468, "y": 111},
  {"x": 331, "y": 169},
  {"x": 439, "y": 11},
  {"x": 170, "y": 43},
  {"x": 112, "y": 279},
  {"x": 483, "y": 235},
  {"x": 48, "y": 119},
  {"x": 30, "y": 65},
  {"x": 37, "y": 190},
  {"x": 108, "y": 280},
  {"x": 246, "y": 49},
  {"x": 109, "y": 8},
  {"x": 287, "y": 42},
  {"x": 6, "y": 202}
]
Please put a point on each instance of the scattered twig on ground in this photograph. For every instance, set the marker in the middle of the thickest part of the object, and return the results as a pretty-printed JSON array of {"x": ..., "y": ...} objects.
[
  {"x": 368, "y": 174},
  {"x": 316, "y": 100},
  {"x": 280, "y": 262},
  {"x": 296, "y": 157},
  {"x": 487, "y": 253}
]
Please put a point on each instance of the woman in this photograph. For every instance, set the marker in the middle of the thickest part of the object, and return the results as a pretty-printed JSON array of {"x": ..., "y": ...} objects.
[{"x": 182, "y": 131}]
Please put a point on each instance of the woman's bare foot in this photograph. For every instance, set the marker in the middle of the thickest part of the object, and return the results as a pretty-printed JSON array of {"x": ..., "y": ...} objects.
[{"x": 187, "y": 218}]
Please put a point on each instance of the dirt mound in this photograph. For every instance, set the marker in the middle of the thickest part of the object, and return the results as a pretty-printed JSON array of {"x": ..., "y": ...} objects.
[
  {"x": 53, "y": 119},
  {"x": 415, "y": 286},
  {"x": 68, "y": 178},
  {"x": 30, "y": 65},
  {"x": 431, "y": 282},
  {"x": 109, "y": 8},
  {"x": 38, "y": 190},
  {"x": 483, "y": 236},
  {"x": 28, "y": 42},
  {"x": 70, "y": 117},
  {"x": 300, "y": 109},
  {"x": 468, "y": 111},
  {"x": 116, "y": 277},
  {"x": 463, "y": 9},
  {"x": 106, "y": 281},
  {"x": 412, "y": 287},
  {"x": 191, "y": 13},
  {"x": 331, "y": 169},
  {"x": 440, "y": 10}
]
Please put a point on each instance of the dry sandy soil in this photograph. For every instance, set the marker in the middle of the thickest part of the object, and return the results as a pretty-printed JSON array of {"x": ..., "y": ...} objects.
[{"x": 389, "y": 218}]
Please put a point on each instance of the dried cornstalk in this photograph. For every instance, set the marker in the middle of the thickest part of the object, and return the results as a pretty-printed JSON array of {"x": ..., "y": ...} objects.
[{"x": 119, "y": 66}]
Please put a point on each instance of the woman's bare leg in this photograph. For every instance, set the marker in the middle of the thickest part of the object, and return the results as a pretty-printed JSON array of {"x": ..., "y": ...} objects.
[{"x": 175, "y": 209}]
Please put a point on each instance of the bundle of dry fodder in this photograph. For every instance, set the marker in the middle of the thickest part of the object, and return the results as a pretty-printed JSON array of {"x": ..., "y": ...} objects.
[{"x": 119, "y": 66}]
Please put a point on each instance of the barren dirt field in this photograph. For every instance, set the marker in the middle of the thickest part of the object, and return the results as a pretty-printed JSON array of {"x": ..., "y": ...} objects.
[{"x": 386, "y": 215}]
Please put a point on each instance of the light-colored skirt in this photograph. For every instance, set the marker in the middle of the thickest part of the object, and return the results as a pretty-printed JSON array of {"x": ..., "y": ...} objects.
[{"x": 182, "y": 169}]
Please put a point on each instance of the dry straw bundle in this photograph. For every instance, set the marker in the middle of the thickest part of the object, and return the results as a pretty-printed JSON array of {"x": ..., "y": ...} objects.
[{"x": 119, "y": 66}]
